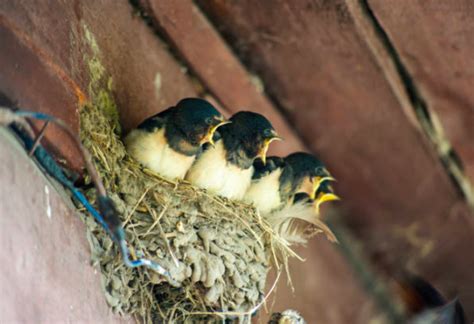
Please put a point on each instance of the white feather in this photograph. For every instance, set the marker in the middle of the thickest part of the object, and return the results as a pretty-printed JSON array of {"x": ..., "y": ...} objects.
[
  {"x": 264, "y": 193},
  {"x": 211, "y": 171},
  {"x": 153, "y": 151},
  {"x": 297, "y": 222}
]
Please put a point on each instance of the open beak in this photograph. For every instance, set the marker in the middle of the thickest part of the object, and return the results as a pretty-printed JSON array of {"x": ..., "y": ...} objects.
[
  {"x": 324, "y": 198},
  {"x": 317, "y": 183},
  {"x": 209, "y": 138},
  {"x": 263, "y": 152}
]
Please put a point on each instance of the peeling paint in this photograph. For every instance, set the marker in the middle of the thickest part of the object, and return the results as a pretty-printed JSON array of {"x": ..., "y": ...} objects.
[
  {"x": 48, "y": 202},
  {"x": 157, "y": 83}
]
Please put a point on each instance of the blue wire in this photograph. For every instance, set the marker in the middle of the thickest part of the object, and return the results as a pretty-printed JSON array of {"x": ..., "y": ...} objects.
[
  {"x": 83, "y": 200},
  {"x": 34, "y": 114},
  {"x": 50, "y": 165}
]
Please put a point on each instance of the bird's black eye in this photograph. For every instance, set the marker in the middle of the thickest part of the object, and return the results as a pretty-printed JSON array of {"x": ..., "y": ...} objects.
[
  {"x": 322, "y": 172},
  {"x": 268, "y": 133},
  {"x": 209, "y": 120}
]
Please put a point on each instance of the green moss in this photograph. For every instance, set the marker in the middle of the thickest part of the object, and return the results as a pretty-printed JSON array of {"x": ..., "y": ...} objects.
[{"x": 100, "y": 84}]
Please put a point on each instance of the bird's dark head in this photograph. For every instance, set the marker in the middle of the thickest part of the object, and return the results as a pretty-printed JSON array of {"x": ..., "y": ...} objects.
[
  {"x": 309, "y": 172},
  {"x": 196, "y": 120},
  {"x": 247, "y": 137}
]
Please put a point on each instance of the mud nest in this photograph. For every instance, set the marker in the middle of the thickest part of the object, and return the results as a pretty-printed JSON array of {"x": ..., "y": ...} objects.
[{"x": 219, "y": 251}]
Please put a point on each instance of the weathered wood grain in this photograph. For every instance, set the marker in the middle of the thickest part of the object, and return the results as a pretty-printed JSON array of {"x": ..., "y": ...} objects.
[
  {"x": 27, "y": 81},
  {"x": 435, "y": 41}
]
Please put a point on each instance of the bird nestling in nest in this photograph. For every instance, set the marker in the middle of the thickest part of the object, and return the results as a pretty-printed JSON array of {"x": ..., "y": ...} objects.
[
  {"x": 192, "y": 141},
  {"x": 226, "y": 168},
  {"x": 289, "y": 190},
  {"x": 168, "y": 142}
]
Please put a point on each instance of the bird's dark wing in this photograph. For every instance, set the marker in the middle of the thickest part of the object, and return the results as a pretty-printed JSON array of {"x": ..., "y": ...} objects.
[
  {"x": 157, "y": 121},
  {"x": 272, "y": 163}
]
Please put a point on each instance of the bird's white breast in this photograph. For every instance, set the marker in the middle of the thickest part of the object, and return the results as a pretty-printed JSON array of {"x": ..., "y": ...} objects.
[
  {"x": 153, "y": 151},
  {"x": 211, "y": 171},
  {"x": 264, "y": 192}
]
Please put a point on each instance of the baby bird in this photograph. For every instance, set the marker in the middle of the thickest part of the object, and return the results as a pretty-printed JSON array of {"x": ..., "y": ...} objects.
[
  {"x": 226, "y": 168},
  {"x": 275, "y": 183},
  {"x": 272, "y": 186},
  {"x": 168, "y": 142},
  {"x": 310, "y": 171}
]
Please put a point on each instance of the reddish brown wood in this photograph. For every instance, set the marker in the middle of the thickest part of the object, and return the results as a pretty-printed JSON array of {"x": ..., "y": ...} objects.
[
  {"x": 136, "y": 59},
  {"x": 326, "y": 290},
  {"x": 435, "y": 42},
  {"x": 29, "y": 80},
  {"x": 46, "y": 274},
  {"x": 146, "y": 78},
  {"x": 399, "y": 198},
  {"x": 224, "y": 76}
]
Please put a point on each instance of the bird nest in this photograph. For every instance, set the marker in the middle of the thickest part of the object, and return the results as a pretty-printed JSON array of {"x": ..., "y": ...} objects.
[{"x": 219, "y": 251}]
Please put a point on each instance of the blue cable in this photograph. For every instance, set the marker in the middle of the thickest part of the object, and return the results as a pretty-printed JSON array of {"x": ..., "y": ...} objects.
[{"x": 53, "y": 169}]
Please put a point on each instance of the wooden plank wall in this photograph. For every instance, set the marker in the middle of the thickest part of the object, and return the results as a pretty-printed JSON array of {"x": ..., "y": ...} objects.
[{"x": 331, "y": 86}]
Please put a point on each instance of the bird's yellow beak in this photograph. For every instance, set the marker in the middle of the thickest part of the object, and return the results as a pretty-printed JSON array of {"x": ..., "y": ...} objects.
[
  {"x": 324, "y": 198},
  {"x": 317, "y": 183},
  {"x": 209, "y": 138},
  {"x": 263, "y": 152}
]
